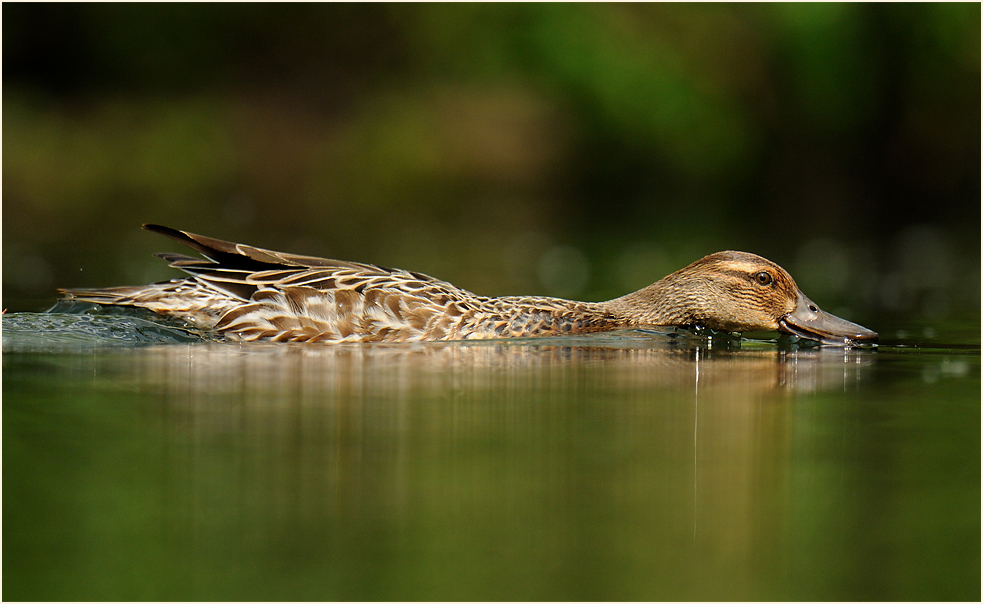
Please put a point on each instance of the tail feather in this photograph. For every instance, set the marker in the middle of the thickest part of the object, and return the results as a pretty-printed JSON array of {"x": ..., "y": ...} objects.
[
  {"x": 220, "y": 282},
  {"x": 186, "y": 299},
  {"x": 122, "y": 295},
  {"x": 227, "y": 253},
  {"x": 246, "y": 257}
]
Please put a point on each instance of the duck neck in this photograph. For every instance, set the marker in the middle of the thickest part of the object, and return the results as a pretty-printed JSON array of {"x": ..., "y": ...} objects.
[{"x": 662, "y": 303}]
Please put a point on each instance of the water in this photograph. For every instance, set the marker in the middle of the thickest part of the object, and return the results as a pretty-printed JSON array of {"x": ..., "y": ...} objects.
[{"x": 143, "y": 463}]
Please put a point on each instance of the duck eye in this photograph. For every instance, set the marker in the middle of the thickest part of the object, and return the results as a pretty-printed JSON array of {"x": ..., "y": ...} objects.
[{"x": 763, "y": 278}]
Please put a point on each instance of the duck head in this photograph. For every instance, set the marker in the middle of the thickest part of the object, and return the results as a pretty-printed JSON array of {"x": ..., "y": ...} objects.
[{"x": 737, "y": 291}]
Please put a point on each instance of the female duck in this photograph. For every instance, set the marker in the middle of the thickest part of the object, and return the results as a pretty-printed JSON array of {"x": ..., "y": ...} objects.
[{"x": 248, "y": 293}]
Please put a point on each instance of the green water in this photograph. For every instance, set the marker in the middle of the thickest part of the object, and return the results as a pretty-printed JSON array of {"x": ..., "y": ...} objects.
[{"x": 639, "y": 468}]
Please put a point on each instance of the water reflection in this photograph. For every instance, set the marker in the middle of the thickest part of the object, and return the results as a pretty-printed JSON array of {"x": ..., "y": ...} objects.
[
  {"x": 308, "y": 372},
  {"x": 302, "y": 370},
  {"x": 530, "y": 448},
  {"x": 593, "y": 468}
]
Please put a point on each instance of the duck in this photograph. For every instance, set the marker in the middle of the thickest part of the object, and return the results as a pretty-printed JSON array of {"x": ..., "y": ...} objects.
[{"x": 247, "y": 293}]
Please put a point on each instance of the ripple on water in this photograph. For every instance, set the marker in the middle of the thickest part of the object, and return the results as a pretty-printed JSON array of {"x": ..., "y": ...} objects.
[{"x": 66, "y": 331}]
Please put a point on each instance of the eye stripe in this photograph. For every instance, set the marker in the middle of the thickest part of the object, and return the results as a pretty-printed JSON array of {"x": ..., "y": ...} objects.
[
  {"x": 738, "y": 274},
  {"x": 748, "y": 276}
]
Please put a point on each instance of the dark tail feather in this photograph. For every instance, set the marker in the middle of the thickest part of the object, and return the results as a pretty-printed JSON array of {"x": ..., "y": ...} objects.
[
  {"x": 239, "y": 256},
  {"x": 206, "y": 245},
  {"x": 226, "y": 253}
]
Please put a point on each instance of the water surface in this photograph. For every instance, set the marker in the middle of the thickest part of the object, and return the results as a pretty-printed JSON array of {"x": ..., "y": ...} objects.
[{"x": 141, "y": 462}]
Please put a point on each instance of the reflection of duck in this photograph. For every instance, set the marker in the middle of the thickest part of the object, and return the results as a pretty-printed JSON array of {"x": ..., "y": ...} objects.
[{"x": 250, "y": 293}]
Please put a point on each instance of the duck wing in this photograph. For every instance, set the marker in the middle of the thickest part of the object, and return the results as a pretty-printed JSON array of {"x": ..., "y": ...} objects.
[
  {"x": 305, "y": 298},
  {"x": 247, "y": 257},
  {"x": 242, "y": 270}
]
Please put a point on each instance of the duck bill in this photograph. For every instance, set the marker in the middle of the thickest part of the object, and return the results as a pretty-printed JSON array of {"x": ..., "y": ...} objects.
[{"x": 810, "y": 321}]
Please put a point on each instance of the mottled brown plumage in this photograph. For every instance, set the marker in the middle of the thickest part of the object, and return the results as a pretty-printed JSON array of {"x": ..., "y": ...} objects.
[{"x": 248, "y": 293}]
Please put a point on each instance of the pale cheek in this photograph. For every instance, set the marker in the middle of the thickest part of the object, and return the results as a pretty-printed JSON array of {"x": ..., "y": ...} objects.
[{"x": 766, "y": 320}]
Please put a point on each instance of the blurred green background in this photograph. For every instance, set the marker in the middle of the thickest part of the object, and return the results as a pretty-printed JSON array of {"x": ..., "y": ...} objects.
[{"x": 575, "y": 150}]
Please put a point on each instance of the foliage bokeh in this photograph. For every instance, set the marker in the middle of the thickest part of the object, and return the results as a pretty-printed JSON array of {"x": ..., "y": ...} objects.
[{"x": 577, "y": 150}]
